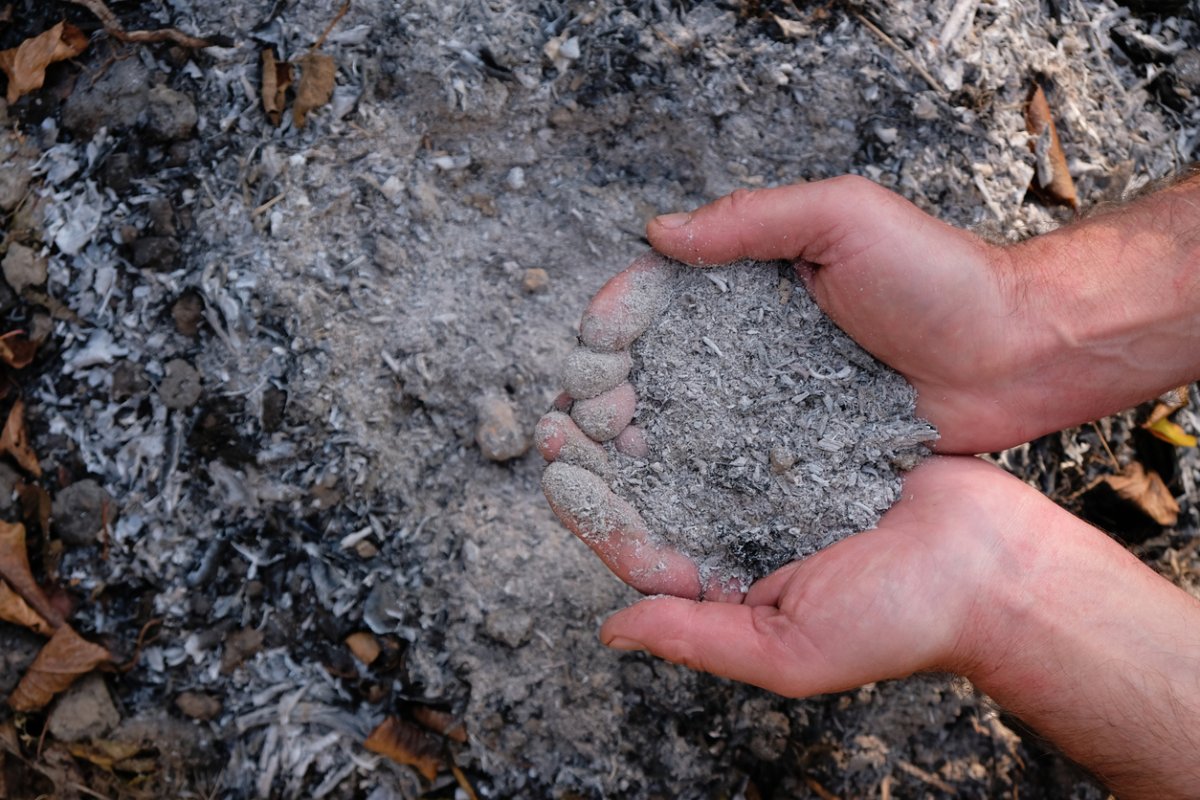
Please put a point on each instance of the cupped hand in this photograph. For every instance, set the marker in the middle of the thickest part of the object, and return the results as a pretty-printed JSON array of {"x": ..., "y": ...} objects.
[
  {"x": 936, "y": 303},
  {"x": 908, "y": 596}
]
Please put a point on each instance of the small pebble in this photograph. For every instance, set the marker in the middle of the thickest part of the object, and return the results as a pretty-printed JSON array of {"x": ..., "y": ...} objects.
[
  {"x": 499, "y": 434},
  {"x": 781, "y": 460},
  {"x": 535, "y": 279},
  {"x": 188, "y": 313},
  {"x": 23, "y": 267},
  {"x": 155, "y": 252},
  {"x": 181, "y": 385},
  {"x": 198, "y": 705},
  {"x": 85, "y": 711}
]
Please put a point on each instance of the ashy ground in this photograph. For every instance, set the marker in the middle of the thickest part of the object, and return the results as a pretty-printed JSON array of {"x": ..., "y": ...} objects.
[{"x": 271, "y": 348}]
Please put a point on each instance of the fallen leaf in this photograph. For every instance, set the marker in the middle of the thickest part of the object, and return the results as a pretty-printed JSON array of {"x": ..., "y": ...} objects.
[
  {"x": 1145, "y": 490},
  {"x": 14, "y": 609},
  {"x": 105, "y": 753},
  {"x": 64, "y": 658},
  {"x": 35, "y": 505},
  {"x": 317, "y": 74},
  {"x": 405, "y": 743},
  {"x": 1053, "y": 178},
  {"x": 14, "y": 569},
  {"x": 16, "y": 351},
  {"x": 441, "y": 722},
  {"x": 14, "y": 440},
  {"x": 1167, "y": 405},
  {"x": 791, "y": 28},
  {"x": 1171, "y": 433},
  {"x": 364, "y": 646},
  {"x": 276, "y": 78},
  {"x": 25, "y": 65}
]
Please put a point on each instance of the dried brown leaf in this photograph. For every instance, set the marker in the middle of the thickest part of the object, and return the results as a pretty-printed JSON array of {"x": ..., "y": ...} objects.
[
  {"x": 1167, "y": 404},
  {"x": 14, "y": 569},
  {"x": 64, "y": 658},
  {"x": 35, "y": 505},
  {"x": 276, "y": 78},
  {"x": 317, "y": 74},
  {"x": 25, "y": 65},
  {"x": 440, "y": 722},
  {"x": 14, "y": 440},
  {"x": 14, "y": 609},
  {"x": 16, "y": 351},
  {"x": 364, "y": 646},
  {"x": 405, "y": 743},
  {"x": 1052, "y": 178},
  {"x": 1146, "y": 490},
  {"x": 105, "y": 753}
]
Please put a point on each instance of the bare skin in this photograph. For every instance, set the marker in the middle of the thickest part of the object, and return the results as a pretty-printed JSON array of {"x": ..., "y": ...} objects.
[{"x": 972, "y": 571}]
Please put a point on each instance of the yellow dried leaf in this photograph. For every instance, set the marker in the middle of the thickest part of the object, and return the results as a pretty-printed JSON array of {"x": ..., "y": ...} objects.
[
  {"x": 405, "y": 743},
  {"x": 14, "y": 609},
  {"x": 1171, "y": 433},
  {"x": 15, "y": 441},
  {"x": 14, "y": 569},
  {"x": 63, "y": 659},
  {"x": 25, "y": 65},
  {"x": 1053, "y": 178},
  {"x": 317, "y": 74},
  {"x": 276, "y": 79},
  {"x": 104, "y": 753},
  {"x": 1147, "y": 491},
  {"x": 364, "y": 646}
]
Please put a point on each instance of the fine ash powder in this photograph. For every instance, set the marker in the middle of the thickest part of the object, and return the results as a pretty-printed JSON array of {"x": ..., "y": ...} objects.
[{"x": 771, "y": 433}]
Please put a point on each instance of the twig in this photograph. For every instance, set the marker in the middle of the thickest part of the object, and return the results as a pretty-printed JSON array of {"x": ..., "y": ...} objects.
[
  {"x": 329, "y": 28},
  {"x": 932, "y": 780},
  {"x": 1116, "y": 464},
  {"x": 912, "y": 62},
  {"x": 463, "y": 783},
  {"x": 114, "y": 29}
]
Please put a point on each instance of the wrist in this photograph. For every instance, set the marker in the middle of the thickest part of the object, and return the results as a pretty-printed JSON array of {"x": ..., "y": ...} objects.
[
  {"x": 1110, "y": 306},
  {"x": 1093, "y": 650}
]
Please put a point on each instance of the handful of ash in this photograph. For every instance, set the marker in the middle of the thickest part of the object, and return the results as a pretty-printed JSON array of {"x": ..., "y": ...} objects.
[{"x": 761, "y": 432}]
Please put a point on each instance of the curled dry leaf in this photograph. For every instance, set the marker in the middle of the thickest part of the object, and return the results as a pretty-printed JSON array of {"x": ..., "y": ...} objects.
[
  {"x": 1145, "y": 490},
  {"x": 16, "y": 351},
  {"x": 25, "y": 65},
  {"x": 276, "y": 79},
  {"x": 14, "y": 609},
  {"x": 63, "y": 659},
  {"x": 317, "y": 74},
  {"x": 405, "y": 743},
  {"x": 15, "y": 441},
  {"x": 441, "y": 722},
  {"x": 1171, "y": 433},
  {"x": 14, "y": 569},
  {"x": 1053, "y": 178}
]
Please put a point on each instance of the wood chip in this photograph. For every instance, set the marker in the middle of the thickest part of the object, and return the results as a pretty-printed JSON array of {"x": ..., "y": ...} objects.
[
  {"x": 405, "y": 743},
  {"x": 1052, "y": 179},
  {"x": 364, "y": 646}
]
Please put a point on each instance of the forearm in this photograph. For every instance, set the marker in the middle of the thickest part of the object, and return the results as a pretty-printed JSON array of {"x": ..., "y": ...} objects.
[
  {"x": 1095, "y": 652},
  {"x": 1112, "y": 304}
]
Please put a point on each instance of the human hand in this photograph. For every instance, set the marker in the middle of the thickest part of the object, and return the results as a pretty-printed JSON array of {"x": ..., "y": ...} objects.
[{"x": 1002, "y": 343}]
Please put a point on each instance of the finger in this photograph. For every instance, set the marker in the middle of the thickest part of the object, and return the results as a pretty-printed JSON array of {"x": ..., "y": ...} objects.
[
  {"x": 823, "y": 222},
  {"x": 632, "y": 442},
  {"x": 752, "y": 644},
  {"x": 606, "y": 415},
  {"x": 588, "y": 373},
  {"x": 616, "y": 533},
  {"x": 626, "y": 305},
  {"x": 558, "y": 438}
]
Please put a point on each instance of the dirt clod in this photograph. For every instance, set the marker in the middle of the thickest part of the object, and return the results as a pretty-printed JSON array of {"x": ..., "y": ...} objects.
[
  {"x": 85, "y": 711},
  {"x": 188, "y": 313},
  {"x": 170, "y": 114},
  {"x": 198, "y": 705},
  {"x": 181, "y": 385},
  {"x": 78, "y": 512},
  {"x": 535, "y": 279}
]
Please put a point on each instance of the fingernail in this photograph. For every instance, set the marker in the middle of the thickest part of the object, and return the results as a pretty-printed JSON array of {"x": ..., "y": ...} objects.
[
  {"x": 621, "y": 643},
  {"x": 673, "y": 221}
]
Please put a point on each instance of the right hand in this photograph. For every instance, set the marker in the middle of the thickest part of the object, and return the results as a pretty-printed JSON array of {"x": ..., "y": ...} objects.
[{"x": 940, "y": 305}]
